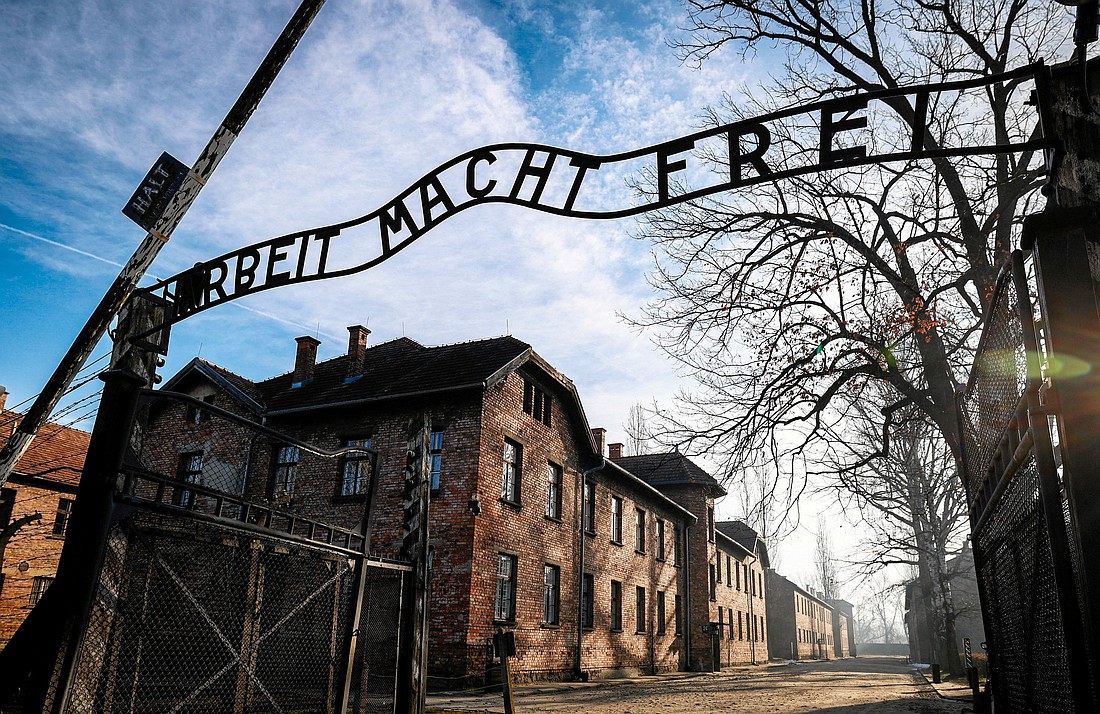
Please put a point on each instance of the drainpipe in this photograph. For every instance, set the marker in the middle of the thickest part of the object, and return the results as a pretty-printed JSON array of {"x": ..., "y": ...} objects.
[
  {"x": 578, "y": 671},
  {"x": 752, "y": 612},
  {"x": 686, "y": 585}
]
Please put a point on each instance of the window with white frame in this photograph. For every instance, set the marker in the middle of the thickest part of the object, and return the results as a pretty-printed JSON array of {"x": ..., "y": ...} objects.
[
  {"x": 286, "y": 469},
  {"x": 61, "y": 518},
  {"x": 553, "y": 490},
  {"x": 551, "y": 594},
  {"x": 38, "y": 589},
  {"x": 616, "y": 519},
  {"x": 356, "y": 471},
  {"x": 589, "y": 507},
  {"x": 504, "y": 607},
  {"x": 190, "y": 471},
  {"x": 639, "y": 530},
  {"x": 587, "y": 600},
  {"x": 435, "y": 454},
  {"x": 513, "y": 462}
]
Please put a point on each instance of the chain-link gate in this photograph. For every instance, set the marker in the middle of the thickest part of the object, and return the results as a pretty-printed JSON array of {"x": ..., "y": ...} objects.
[
  {"x": 1025, "y": 566},
  {"x": 214, "y": 598}
]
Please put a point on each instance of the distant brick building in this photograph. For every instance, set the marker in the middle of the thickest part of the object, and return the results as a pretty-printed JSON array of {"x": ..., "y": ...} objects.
[
  {"x": 969, "y": 623},
  {"x": 597, "y": 563},
  {"x": 801, "y": 623},
  {"x": 35, "y": 504},
  {"x": 844, "y": 628}
]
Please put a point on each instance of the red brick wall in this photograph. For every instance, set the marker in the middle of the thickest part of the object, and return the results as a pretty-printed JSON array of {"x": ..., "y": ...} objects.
[
  {"x": 741, "y": 604},
  {"x": 605, "y": 649},
  {"x": 475, "y": 425},
  {"x": 32, "y": 552}
]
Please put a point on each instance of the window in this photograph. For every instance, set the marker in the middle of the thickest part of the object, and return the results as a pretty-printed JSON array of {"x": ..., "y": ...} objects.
[
  {"x": 505, "y": 605},
  {"x": 553, "y": 491},
  {"x": 639, "y": 609},
  {"x": 286, "y": 468},
  {"x": 616, "y": 605},
  {"x": 660, "y": 612},
  {"x": 616, "y": 520},
  {"x": 536, "y": 403},
  {"x": 677, "y": 546},
  {"x": 676, "y": 615},
  {"x": 710, "y": 523},
  {"x": 190, "y": 471},
  {"x": 713, "y": 584},
  {"x": 551, "y": 594},
  {"x": 589, "y": 507},
  {"x": 513, "y": 461},
  {"x": 587, "y": 596},
  {"x": 196, "y": 415},
  {"x": 660, "y": 538},
  {"x": 718, "y": 569},
  {"x": 729, "y": 575},
  {"x": 435, "y": 453},
  {"x": 38, "y": 589},
  {"x": 356, "y": 473},
  {"x": 738, "y": 571},
  {"x": 721, "y": 622},
  {"x": 740, "y": 626},
  {"x": 7, "y": 505},
  {"x": 61, "y": 520},
  {"x": 639, "y": 530}
]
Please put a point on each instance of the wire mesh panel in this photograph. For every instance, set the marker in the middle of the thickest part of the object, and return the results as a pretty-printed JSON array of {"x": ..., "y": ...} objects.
[
  {"x": 225, "y": 590},
  {"x": 193, "y": 619},
  {"x": 189, "y": 620},
  {"x": 1026, "y": 627},
  {"x": 1023, "y": 568},
  {"x": 997, "y": 382},
  {"x": 374, "y": 679}
]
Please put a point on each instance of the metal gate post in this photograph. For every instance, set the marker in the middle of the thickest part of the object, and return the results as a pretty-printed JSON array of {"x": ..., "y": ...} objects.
[
  {"x": 86, "y": 537},
  {"x": 1067, "y": 260}
]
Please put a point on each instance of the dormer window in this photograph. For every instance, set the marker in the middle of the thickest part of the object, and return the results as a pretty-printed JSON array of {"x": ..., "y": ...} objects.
[{"x": 536, "y": 402}]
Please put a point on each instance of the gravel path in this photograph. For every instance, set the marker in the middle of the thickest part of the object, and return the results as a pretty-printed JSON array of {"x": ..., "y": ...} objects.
[{"x": 863, "y": 685}]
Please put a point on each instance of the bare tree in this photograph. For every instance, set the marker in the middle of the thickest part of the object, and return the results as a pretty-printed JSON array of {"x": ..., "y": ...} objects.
[
  {"x": 880, "y": 613},
  {"x": 639, "y": 435},
  {"x": 826, "y": 576},
  {"x": 793, "y": 302}
]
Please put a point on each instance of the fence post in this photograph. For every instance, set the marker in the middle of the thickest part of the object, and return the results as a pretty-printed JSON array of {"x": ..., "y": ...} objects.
[{"x": 412, "y": 675}]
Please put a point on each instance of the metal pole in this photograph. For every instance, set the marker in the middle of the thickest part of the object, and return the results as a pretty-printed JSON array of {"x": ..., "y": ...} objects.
[{"x": 157, "y": 236}]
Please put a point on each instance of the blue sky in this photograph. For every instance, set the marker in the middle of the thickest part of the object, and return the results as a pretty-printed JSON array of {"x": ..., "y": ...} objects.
[{"x": 376, "y": 95}]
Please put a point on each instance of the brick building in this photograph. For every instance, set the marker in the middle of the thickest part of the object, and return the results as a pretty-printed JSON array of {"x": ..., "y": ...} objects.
[
  {"x": 590, "y": 560},
  {"x": 844, "y": 628},
  {"x": 963, "y": 583},
  {"x": 35, "y": 504},
  {"x": 801, "y": 624}
]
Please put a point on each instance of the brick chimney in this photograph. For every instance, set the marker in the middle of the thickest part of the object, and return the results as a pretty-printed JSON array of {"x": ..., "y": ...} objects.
[
  {"x": 598, "y": 434},
  {"x": 304, "y": 359},
  {"x": 615, "y": 451},
  {"x": 357, "y": 349},
  {"x": 3, "y": 397}
]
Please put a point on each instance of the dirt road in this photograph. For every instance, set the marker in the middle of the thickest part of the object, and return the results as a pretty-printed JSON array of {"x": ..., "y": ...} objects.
[{"x": 865, "y": 685}]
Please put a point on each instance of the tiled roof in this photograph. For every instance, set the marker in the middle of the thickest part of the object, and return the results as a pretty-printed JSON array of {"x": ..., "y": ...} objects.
[
  {"x": 745, "y": 536},
  {"x": 740, "y": 532},
  {"x": 247, "y": 386},
  {"x": 56, "y": 454},
  {"x": 668, "y": 469},
  {"x": 396, "y": 368}
]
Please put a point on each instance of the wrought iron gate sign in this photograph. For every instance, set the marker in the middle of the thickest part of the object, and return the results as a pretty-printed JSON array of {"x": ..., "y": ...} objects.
[{"x": 572, "y": 183}]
